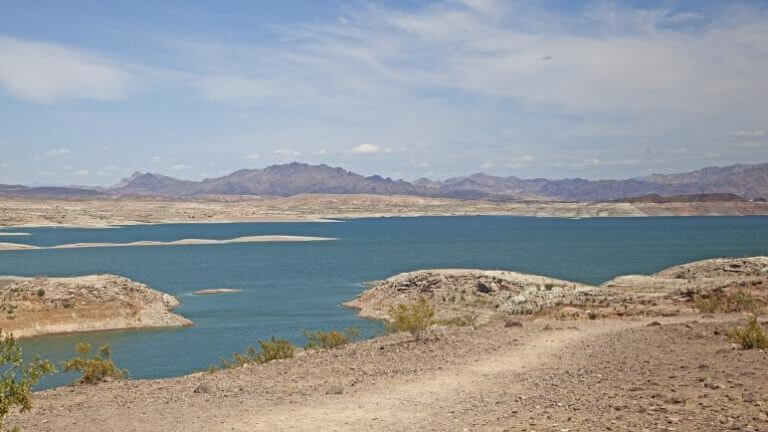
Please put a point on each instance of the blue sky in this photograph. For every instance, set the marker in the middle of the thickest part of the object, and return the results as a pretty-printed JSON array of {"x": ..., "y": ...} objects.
[{"x": 91, "y": 91}]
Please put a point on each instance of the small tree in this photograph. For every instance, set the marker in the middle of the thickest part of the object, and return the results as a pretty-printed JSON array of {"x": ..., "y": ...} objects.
[
  {"x": 18, "y": 378},
  {"x": 415, "y": 318},
  {"x": 94, "y": 369}
]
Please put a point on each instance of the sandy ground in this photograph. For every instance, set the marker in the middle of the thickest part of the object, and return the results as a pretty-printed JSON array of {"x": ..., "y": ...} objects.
[
  {"x": 546, "y": 376},
  {"x": 184, "y": 242},
  {"x": 106, "y": 212}
]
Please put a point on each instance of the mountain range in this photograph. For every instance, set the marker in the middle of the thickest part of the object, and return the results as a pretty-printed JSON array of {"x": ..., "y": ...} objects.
[{"x": 748, "y": 181}]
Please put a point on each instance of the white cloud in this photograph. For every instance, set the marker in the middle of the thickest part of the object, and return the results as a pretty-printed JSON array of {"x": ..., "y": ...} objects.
[
  {"x": 82, "y": 173},
  {"x": 367, "y": 149},
  {"x": 519, "y": 162},
  {"x": 287, "y": 152},
  {"x": 48, "y": 73},
  {"x": 4, "y": 165},
  {"x": 155, "y": 159},
  {"x": 180, "y": 167},
  {"x": 322, "y": 151},
  {"x": 252, "y": 156},
  {"x": 58, "y": 152},
  {"x": 750, "y": 133}
]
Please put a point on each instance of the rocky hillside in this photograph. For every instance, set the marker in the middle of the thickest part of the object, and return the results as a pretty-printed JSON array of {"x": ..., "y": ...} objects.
[{"x": 38, "y": 306}]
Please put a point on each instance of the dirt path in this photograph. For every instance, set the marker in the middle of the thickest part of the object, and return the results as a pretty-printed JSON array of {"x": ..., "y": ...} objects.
[{"x": 412, "y": 403}]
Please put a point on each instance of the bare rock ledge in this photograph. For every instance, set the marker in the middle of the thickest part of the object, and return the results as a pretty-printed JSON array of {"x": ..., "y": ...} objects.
[{"x": 39, "y": 306}]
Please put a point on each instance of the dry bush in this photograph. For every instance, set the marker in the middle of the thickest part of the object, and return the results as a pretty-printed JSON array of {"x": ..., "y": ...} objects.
[
  {"x": 750, "y": 336},
  {"x": 93, "y": 369},
  {"x": 330, "y": 339},
  {"x": 460, "y": 321},
  {"x": 415, "y": 318},
  {"x": 17, "y": 377},
  {"x": 737, "y": 301}
]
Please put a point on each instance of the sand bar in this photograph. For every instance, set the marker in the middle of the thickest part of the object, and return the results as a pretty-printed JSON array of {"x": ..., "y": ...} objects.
[
  {"x": 216, "y": 291},
  {"x": 184, "y": 242}
]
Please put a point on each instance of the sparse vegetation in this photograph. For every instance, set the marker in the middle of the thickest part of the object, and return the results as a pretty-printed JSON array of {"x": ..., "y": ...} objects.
[
  {"x": 460, "y": 321},
  {"x": 17, "y": 378},
  {"x": 415, "y": 318},
  {"x": 40, "y": 292},
  {"x": 93, "y": 369},
  {"x": 750, "y": 336},
  {"x": 330, "y": 339},
  {"x": 273, "y": 349},
  {"x": 737, "y": 301}
]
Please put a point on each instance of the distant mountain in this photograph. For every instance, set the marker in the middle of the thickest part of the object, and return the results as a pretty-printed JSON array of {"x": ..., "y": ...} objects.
[
  {"x": 46, "y": 191},
  {"x": 290, "y": 179},
  {"x": 748, "y": 181}
]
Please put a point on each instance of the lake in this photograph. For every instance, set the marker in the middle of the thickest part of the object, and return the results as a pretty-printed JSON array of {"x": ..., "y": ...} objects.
[{"x": 291, "y": 287}]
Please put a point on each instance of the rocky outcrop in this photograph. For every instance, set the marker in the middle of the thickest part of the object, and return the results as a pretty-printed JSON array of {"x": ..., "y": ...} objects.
[
  {"x": 455, "y": 292},
  {"x": 484, "y": 294},
  {"x": 702, "y": 278},
  {"x": 38, "y": 306}
]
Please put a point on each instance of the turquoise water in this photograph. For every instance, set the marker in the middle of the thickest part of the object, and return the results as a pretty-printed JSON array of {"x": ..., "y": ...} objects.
[{"x": 290, "y": 287}]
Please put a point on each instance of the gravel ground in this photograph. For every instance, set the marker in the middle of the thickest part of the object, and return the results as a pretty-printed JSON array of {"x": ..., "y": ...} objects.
[{"x": 545, "y": 376}]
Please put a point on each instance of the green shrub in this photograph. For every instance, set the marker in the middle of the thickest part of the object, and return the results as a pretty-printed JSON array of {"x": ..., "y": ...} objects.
[
  {"x": 40, "y": 292},
  {"x": 751, "y": 336},
  {"x": 330, "y": 339},
  {"x": 273, "y": 349},
  {"x": 415, "y": 318},
  {"x": 17, "y": 378},
  {"x": 94, "y": 369}
]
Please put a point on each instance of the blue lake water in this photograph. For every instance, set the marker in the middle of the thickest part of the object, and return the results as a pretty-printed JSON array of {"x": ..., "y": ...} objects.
[{"x": 290, "y": 287}]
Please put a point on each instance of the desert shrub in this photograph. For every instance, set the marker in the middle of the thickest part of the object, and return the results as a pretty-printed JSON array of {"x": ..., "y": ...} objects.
[
  {"x": 40, "y": 292},
  {"x": 737, "y": 301},
  {"x": 750, "y": 336},
  {"x": 17, "y": 378},
  {"x": 415, "y": 318},
  {"x": 330, "y": 339},
  {"x": 273, "y": 349},
  {"x": 93, "y": 369},
  {"x": 461, "y": 321}
]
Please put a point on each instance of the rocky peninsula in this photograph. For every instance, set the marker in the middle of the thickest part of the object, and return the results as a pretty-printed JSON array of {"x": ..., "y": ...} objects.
[
  {"x": 39, "y": 306},
  {"x": 484, "y": 294}
]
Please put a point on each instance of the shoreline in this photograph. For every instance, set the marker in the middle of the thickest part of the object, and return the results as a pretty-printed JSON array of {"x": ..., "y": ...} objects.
[{"x": 19, "y": 213}]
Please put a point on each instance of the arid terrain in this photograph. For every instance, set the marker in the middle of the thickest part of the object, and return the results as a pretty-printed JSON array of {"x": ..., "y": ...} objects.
[
  {"x": 39, "y": 306},
  {"x": 105, "y": 211},
  {"x": 658, "y": 369}
]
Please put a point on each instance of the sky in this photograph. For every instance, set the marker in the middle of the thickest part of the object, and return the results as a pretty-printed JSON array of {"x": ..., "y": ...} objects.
[{"x": 91, "y": 91}]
